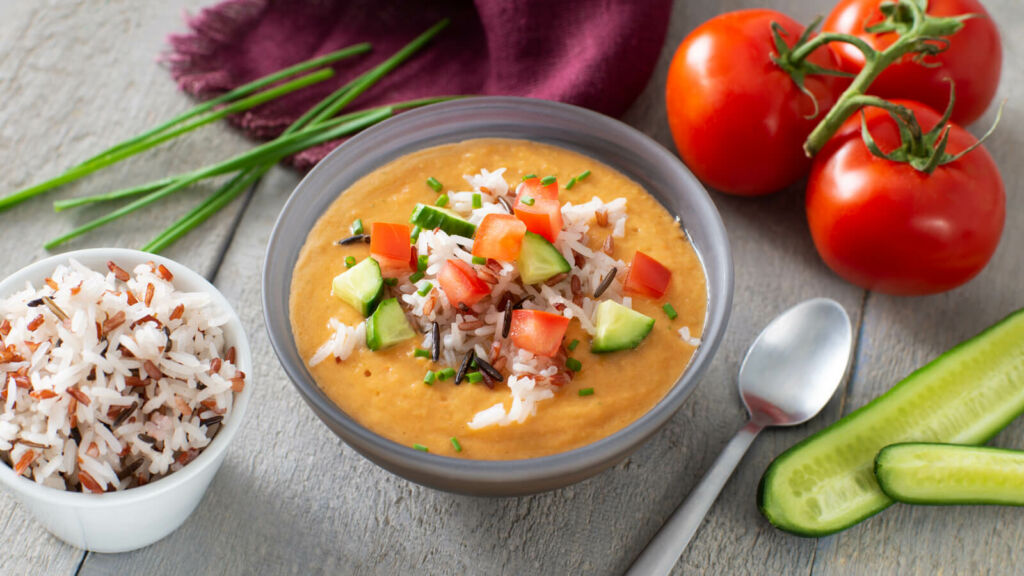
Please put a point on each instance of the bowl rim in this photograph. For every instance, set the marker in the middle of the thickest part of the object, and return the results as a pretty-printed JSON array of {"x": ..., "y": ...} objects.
[
  {"x": 419, "y": 465},
  {"x": 35, "y": 272}
]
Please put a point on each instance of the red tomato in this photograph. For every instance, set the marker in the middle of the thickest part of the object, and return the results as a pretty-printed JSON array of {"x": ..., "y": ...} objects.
[
  {"x": 885, "y": 226},
  {"x": 738, "y": 120},
  {"x": 973, "y": 59},
  {"x": 647, "y": 277},
  {"x": 538, "y": 332},
  {"x": 390, "y": 247},
  {"x": 499, "y": 236},
  {"x": 461, "y": 284},
  {"x": 544, "y": 216}
]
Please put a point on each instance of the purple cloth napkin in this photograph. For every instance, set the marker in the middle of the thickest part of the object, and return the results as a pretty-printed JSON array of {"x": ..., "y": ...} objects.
[{"x": 593, "y": 53}]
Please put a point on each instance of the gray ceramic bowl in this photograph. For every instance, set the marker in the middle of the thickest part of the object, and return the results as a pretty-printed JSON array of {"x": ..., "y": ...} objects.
[{"x": 600, "y": 137}]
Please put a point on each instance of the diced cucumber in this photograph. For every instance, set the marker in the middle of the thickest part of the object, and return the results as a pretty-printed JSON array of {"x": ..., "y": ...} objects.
[
  {"x": 539, "y": 260},
  {"x": 618, "y": 327},
  {"x": 430, "y": 217},
  {"x": 360, "y": 286},
  {"x": 827, "y": 483},
  {"x": 387, "y": 326},
  {"x": 919, "y": 473}
]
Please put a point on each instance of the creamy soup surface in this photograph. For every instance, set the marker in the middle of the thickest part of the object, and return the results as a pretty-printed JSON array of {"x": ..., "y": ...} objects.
[{"x": 384, "y": 390}]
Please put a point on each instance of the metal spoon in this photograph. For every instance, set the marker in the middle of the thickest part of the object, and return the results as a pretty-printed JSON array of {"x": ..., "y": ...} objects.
[{"x": 789, "y": 374}]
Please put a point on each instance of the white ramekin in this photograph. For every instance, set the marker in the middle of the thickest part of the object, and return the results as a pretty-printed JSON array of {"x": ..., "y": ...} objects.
[{"x": 137, "y": 517}]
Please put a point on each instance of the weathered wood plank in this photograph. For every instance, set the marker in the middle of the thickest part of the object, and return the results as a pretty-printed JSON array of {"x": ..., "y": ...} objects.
[{"x": 76, "y": 77}]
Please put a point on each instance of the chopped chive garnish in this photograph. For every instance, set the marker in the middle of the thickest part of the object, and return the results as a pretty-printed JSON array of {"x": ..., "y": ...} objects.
[
  {"x": 433, "y": 183},
  {"x": 670, "y": 311},
  {"x": 587, "y": 392},
  {"x": 415, "y": 277},
  {"x": 573, "y": 364},
  {"x": 421, "y": 353},
  {"x": 455, "y": 444},
  {"x": 528, "y": 176},
  {"x": 547, "y": 180},
  {"x": 425, "y": 289},
  {"x": 570, "y": 184},
  {"x": 474, "y": 377},
  {"x": 415, "y": 234},
  {"x": 479, "y": 260},
  {"x": 429, "y": 378},
  {"x": 572, "y": 345},
  {"x": 442, "y": 200},
  {"x": 421, "y": 263},
  {"x": 478, "y": 201},
  {"x": 357, "y": 226},
  {"x": 421, "y": 447},
  {"x": 583, "y": 175},
  {"x": 391, "y": 281},
  {"x": 350, "y": 261},
  {"x": 527, "y": 200},
  {"x": 445, "y": 374}
]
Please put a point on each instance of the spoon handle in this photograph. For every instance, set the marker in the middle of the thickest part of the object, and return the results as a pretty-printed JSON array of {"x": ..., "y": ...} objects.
[{"x": 668, "y": 544}]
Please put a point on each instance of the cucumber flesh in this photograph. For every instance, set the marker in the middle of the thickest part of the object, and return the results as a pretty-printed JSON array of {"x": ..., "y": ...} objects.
[
  {"x": 387, "y": 326},
  {"x": 919, "y": 473},
  {"x": 539, "y": 260},
  {"x": 360, "y": 286},
  {"x": 430, "y": 217},
  {"x": 826, "y": 483},
  {"x": 618, "y": 327}
]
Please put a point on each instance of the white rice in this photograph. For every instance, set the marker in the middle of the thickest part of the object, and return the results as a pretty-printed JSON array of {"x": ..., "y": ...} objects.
[
  {"x": 48, "y": 372},
  {"x": 684, "y": 333}
]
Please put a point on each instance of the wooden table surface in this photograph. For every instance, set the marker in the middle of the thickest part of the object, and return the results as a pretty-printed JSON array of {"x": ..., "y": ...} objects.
[{"x": 291, "y": 498}]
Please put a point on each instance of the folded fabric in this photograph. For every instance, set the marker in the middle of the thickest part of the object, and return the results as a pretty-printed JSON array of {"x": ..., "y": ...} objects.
[{"x": 593, "y": 53}]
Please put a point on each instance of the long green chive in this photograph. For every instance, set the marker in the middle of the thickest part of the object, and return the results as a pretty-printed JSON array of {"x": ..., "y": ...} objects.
[
  {"x": 415, "y": 277},
  {"x": 545, "y": 181},
  {"x": 435, "y": 184},
  {"x": 415, "y": 234},
  {"x": 583, "y": 175},
  {"x": 572, "y": 345},
  {"x": 586, "y": 392},
  {"x": 528, "y": 176},
  {"x": 456, "y": 444},
  {"x": 421, "y": 353},
  {"x": 670, "y": 311},
  {"x": 479, "y": 260},
  {"x": 570, "y": 184},
  {"x": 421, "y": 447},
  {"x": 429, "y": 378},
  {"x": 478, "y": 200},
  {"x": 350, "y": 261},
  {"x": 442, "y": 200},
  {"x": 391, "y": 281},
  {"x": 425, "y": 289},
  {"x": 421, "y": 263},
  {"x": 528, "y": 200},
  {"x": 573, "y": 364},
  {"x": 357, "y": 227},
  {"x": 446, "y": 373},
  {"x": 474, "y": 377}
]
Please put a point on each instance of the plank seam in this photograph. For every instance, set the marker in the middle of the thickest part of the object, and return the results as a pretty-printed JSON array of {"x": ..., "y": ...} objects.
[
  {"x": 81, "y": 563},
  {"x": 230, "y": 237}
]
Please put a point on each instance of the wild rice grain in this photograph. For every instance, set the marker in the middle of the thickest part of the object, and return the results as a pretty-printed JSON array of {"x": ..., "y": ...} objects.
[
  {"x": 605, "y": 283},
  {"x": 211, "y": 420},
  {"x": 435, "y": 342},
  {"x": 119, "y": 272},
  {"x": 507, "y": 321},
  {"x": 112, "y": 322},
  {"x": 506, "y": 204},
  {"x": 124, "y": 415},
  {"x": 609, "y": 245},
  {"x": 466, "y": 361},
  {"x": 354, "y": 238},
  {"x": 489, "y": 370}
]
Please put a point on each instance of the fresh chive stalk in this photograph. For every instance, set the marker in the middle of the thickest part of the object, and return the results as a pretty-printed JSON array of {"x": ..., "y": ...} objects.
[
  {"x": 425, "y": 289},
  {"x": 456, "y": 444},
  {"x": 446, "y": 373},
  {"x": 478, "y": 200},
  {"x": 547, "y": 180},
  {"x": 435, "y": 184},
  {"x": 415, "y": 277},
  {"x": 421, "y": 353},
  {"x": 429, "y": 378},
  {"x": 415, "y": 235},
  {"x": 474, "y": 377},
  {"x": 441, "y": 201},
  {"x": 528, "y": 200},
  {"x": 572, "y": 345},
  {"x": 350, "y": 261},
  {"x": 357, "y": 227},
  {"x": 391, "y": 281},
  {"x": 586, "y": 392},
  {"x": 573, "y": 364},
  {"x": 570, "y": 183},
  {"x": 528, "y": 176},
  {"x": 480, "y": 260},
  {"x": 421, "y": 447},
  {"x": 421, "y": 263},
  {"x": 670, "y": 311},
  {"x": 583, "y": 175}
]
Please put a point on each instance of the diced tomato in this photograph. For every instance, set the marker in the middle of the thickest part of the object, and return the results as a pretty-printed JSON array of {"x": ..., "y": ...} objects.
[
  {"x": 499, "y": 236},
  {"x": 390, "y": 247},
  {"x": 534, "y": 189},
  {"x": 647, "y": 277},
  {"x": 538, "y": 332},
  {"x": 461, "y": 284},
  {"x": 544, "y": 215}
]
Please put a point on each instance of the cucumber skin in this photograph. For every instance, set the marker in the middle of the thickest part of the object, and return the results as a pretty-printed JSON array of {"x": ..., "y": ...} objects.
[
  {"x": 880, "y": 474},
  {"x": 762, "y": 491}
]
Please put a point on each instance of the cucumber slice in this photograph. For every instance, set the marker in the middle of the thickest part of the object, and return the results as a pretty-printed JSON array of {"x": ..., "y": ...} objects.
[
  {"x": 430, "y": 217},
  {"x": 826, "y": 483},
  {"x": 360, "y": 286},
  {"x": 539, "y": 260},
  {"x": 387, "y": 326},
  {"x": 618, "y": 327},
  {"x": 919, "y": 473}
]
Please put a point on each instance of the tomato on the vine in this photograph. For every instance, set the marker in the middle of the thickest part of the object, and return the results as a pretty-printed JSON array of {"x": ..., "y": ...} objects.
[
  {"x": 738, "y": 119},
  {"x": 973, "y": 59},
  {"x": 889, "y": 227}
]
